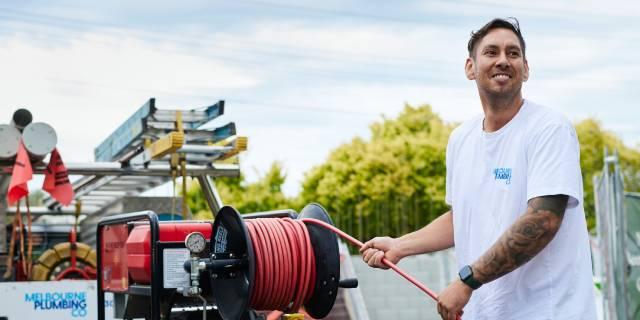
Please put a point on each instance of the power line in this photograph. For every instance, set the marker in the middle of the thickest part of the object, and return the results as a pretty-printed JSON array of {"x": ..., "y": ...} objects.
[
  {"x": 233, "y": 100},
  {"x": 67, "y": 23},
  {"x": 333, "y": 73},
  {"x": 334, "y": 12},
  {"x": 302, "y": 108},
  {"x": 568, "y": 14}
]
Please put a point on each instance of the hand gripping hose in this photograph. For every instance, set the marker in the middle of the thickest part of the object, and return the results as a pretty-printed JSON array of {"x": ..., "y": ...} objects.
[{"x": 388, "y": 263}]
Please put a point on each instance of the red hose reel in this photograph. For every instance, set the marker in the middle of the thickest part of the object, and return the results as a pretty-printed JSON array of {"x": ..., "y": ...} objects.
[{"x": 281, "y": 264}]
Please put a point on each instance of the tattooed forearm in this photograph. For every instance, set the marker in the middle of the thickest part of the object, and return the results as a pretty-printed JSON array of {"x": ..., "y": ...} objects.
[{"x": 523, "y": 240}]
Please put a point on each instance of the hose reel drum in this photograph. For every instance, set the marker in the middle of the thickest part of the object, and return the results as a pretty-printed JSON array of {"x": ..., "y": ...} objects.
[{"x": 234, "y": 286}]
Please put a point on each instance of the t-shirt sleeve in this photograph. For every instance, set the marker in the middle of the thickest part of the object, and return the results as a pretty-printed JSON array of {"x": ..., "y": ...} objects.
[
  {"x": 554, "y": 164},
  {"x": 449, "y": 167}
]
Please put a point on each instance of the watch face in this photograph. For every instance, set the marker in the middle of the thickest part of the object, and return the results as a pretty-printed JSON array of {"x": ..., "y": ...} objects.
[
  {"x": 195, "y": 242},
  {"x": 465, "y": 272}
]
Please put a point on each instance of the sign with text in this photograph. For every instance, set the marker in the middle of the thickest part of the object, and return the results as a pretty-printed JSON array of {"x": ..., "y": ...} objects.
[{"x": 60, "y": 300}]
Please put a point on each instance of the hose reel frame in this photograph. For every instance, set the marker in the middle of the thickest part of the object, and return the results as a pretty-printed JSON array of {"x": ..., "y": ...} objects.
[{"x": 233, "y": 288}]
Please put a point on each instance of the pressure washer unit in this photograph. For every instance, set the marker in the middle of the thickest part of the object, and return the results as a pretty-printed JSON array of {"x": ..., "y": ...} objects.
[{"x": 233, "y": 268}]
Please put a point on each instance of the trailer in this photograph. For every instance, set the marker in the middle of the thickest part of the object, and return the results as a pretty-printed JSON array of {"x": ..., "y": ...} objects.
[{"x": 276, "y": 265}]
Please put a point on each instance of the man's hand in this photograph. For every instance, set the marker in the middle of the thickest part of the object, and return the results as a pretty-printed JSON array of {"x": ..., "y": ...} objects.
[
  {"x": 380, "y": 247},
  {"x": 435, "y": 236},
  {"x": 453, "y": 299}
]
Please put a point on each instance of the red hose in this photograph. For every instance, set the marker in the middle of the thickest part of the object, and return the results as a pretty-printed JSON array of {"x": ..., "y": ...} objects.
[
  {"x": 388, "y": 263},
  {"x": 285, "y": 263}
]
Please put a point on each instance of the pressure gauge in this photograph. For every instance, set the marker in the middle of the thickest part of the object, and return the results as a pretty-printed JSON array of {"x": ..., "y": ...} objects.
[{"x": 195, "y": 242}]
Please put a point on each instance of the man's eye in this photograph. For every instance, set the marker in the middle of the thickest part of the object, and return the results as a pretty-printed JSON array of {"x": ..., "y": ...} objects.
[
  {"x": 514, "y": 54},
  {"x": 490, "y": 52}
]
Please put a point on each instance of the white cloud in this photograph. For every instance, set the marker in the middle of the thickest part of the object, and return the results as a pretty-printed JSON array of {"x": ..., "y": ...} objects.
[
  {"x": 302, "y": 145},
  {"x": 87, "y": 87},
  {"x": 564, "y": 54},
  {"x": 366, "y": 45},
  {"x": 576, "y": 10}
]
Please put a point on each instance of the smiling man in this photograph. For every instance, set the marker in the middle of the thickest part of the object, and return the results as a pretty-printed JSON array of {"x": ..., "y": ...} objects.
[{"x": 515, "y": 190}]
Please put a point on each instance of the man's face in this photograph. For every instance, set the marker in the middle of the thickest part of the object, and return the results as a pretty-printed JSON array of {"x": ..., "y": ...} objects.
[{"x": 498, "y": 65}]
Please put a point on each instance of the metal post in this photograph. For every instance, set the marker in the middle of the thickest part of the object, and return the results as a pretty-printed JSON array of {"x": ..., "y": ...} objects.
[
  {"x": 3, "y": 219},
  {"x": 609, "y": 192},
  {"x": 210, "y": 193},
  {"x": 610, "y": 244},
  {"x": 4, "y": 183},
  {"x": 621, "y": 231},
  {"x": 601, "y": 272}
]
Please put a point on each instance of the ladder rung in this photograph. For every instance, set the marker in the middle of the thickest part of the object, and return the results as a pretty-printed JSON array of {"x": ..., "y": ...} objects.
[{"x": 128, "y": 135}]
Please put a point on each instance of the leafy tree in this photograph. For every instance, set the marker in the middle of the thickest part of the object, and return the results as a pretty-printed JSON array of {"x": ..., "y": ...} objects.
[
  {"x": 36, "y": 198},
  {"x": 593, "y": 141},
  {"x": 391, "y": 184},
  {"x": 262, "y": 195}
]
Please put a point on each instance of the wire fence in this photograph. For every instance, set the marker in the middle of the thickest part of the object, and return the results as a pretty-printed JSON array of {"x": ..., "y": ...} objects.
[
  {"x": 618, "y": 243},
  {"x": 393, "y": 216}
]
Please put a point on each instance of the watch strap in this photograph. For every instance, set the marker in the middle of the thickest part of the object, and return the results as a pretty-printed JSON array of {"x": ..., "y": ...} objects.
[{"x": 466, "y": 275}]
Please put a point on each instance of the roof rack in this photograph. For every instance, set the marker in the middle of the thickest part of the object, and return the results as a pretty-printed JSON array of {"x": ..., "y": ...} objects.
[{"x": 151, "y": 148}]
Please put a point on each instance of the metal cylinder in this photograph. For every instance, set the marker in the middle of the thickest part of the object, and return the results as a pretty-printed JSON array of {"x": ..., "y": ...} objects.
[
  {"x": 21, "y": 118},
  {"x": 39, "y": 139},
  {"x": 9, "y": 142}
]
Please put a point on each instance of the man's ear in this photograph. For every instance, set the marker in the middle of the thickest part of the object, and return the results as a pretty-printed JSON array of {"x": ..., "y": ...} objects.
[
  {"x": 469, "y": 69},
  {"x": 525, "y": 75}
]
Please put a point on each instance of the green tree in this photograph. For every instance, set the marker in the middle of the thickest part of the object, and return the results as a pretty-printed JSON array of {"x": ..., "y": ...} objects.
[
  {"x": 36, "y": 198},
  {"x": 262, "y": 195},
  {"x": 593, "y": 141},
  {"x": 395, "y": 182},
  {"x": 389, "y": 185}
]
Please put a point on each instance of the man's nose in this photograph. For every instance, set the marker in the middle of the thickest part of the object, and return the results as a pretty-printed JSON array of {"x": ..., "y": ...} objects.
[{"x": 502, "y": 62}]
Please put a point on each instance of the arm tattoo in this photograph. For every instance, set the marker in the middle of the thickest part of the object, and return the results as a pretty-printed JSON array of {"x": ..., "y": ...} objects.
[{"x": 524, "y": 239}]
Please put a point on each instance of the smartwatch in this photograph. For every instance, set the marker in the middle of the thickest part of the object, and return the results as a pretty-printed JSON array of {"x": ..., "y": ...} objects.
[{"x": 466, "y": 275}]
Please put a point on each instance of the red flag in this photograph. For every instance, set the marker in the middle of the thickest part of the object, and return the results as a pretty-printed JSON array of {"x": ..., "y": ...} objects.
[
  {"x": 22, "y": 173},
  {"x": 56, "y": 180}
]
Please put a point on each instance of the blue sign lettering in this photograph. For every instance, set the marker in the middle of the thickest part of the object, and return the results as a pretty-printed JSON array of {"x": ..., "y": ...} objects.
[{"x": 75, "y": 301}]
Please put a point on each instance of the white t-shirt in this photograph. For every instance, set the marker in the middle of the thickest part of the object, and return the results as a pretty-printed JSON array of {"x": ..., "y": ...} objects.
[{"x": 490, "y": 178}]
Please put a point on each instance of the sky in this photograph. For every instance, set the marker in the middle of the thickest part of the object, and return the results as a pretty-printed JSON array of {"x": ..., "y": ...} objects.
[{"x": 301, "y": 78}]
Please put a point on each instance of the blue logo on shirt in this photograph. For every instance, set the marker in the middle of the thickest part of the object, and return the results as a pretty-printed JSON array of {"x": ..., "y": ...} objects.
[{"x": 503, "y": 174}]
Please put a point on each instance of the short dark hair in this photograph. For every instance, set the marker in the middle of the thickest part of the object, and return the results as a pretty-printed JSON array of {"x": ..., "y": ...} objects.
[{"x": 510, "y": 23}]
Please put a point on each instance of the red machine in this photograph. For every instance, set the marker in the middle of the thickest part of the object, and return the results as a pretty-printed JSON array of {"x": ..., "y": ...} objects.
[
  {"x": 211, "y": 270},
  {"x": 141, "y": 260},
  {"x": 138, "y": 246},
  {"x": 135, "y": 245}
]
